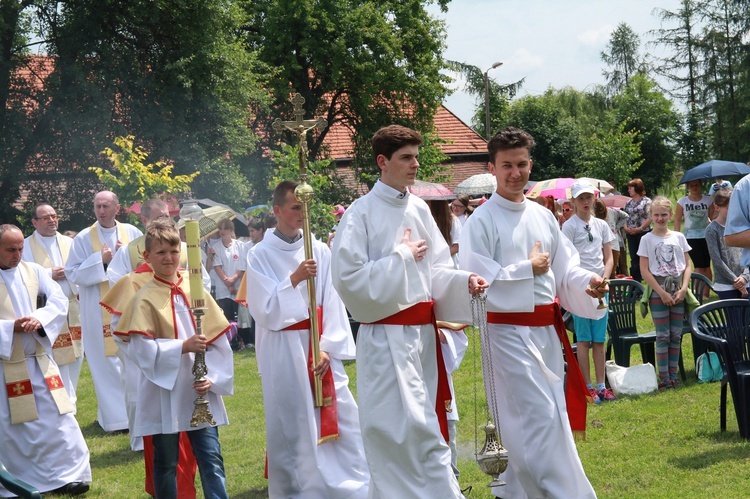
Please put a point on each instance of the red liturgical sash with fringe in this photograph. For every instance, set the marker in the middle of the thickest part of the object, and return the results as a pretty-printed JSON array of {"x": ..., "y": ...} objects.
[
  {"x": 329, "y": 419},
  {"x": 576, "y": 394},
  {"x": 418, "y": 315}
]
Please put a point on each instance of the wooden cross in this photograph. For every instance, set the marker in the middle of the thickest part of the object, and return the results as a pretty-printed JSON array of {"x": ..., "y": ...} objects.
[{"x": 300, "y": 127}]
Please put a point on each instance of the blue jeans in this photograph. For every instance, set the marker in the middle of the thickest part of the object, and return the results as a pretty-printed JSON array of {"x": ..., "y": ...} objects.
[{"x": 207, "y": 451}]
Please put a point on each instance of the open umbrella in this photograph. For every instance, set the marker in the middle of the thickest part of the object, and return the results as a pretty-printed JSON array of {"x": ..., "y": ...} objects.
[
  {"x": 616, "y": 200},
  {"x": 600, "y": 185},
  {"x": 239, "y": 220},
  {"x": 431, "y": 191},
  {"x": 715, "y": 168},
  {"x": 481, "y": 183},
  {"x": 209, "y": 223},
  {"x": 558, "y": 188}
]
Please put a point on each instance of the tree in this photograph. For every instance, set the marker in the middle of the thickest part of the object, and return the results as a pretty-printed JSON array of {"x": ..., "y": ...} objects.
[
  {"x": 723, "y": 52},
  {"x": 175, "y": 75},
  {"x": 612, "y": 154},
  {"x": 558, "y": 139},
  {"x": 622, "y": 56},
  {"x": 358, "y": 63},
  {"x": 682, "y": 65},
  {"x": 643, "y": 109},
  {"x": 133, "y": 180},
  {"x": 499, "y": 96}
]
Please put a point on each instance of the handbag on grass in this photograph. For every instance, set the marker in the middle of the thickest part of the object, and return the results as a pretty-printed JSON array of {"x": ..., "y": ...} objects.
[{"x": 634, "y": 380}]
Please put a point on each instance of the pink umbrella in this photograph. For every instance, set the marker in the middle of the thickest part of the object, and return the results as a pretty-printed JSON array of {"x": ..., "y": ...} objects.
[
  {"x": 558, "y": 188},
  {"x": 431, "y": 191},
  {"x": 616, "y": 201}
]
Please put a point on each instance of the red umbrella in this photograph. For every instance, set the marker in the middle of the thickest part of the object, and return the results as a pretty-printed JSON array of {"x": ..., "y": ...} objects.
[
  {"x": 616, "y": 201},
  {"x": 431, "y": 191}
]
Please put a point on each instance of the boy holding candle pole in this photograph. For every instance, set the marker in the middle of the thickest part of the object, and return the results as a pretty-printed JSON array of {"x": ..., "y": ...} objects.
[{"x": 161, "y": 334}]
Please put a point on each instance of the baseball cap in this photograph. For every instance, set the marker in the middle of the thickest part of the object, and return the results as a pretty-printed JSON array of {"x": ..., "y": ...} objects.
[
  {"x": 580, "y": 187},
  {"x": 338, "y": 210}
]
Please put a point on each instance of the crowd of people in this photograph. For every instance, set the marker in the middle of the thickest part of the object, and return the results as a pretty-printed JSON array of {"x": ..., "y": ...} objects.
[{"x": 405, "y": 268}]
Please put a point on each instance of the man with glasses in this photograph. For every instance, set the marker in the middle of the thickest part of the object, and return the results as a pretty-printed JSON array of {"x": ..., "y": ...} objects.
[{"x": 50, "y": 249}]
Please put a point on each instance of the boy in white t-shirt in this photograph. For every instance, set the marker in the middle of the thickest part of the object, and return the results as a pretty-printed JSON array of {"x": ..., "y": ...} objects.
[{"x": 592, "y": 238}]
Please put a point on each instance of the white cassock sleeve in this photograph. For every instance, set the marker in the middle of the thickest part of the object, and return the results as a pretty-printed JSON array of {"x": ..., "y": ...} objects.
[
  {"x": 54, "y": 314},
  {"x": 274, "y": 305},
  {"x": 515, "y": 280},
  {"x": 120, "y": 266},
  {"x": 454, "y": 348},
  {"x": 84, "y": 266},
  {"x": 157, "y": 358}
]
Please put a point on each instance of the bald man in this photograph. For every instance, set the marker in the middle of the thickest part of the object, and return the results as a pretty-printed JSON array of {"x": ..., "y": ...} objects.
[{"x": 92, "y": 252}]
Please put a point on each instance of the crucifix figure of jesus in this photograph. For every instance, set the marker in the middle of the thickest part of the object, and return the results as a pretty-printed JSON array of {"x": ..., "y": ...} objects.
[{"x": 300, "y": 127}]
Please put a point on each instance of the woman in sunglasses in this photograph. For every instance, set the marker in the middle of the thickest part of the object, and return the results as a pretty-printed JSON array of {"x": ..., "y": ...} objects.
[{"x": 592, "y": 238}]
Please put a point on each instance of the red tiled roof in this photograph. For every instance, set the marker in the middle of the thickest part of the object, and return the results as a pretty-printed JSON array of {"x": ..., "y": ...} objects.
[{"x": 461, "y": 138}]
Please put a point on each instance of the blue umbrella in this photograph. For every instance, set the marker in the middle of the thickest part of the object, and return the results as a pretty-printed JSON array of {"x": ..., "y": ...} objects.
[{"x": 716, "y": 168}]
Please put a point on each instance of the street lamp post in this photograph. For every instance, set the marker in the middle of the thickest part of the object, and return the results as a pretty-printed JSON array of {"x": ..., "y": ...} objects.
[{"x": 487, "y": 99}]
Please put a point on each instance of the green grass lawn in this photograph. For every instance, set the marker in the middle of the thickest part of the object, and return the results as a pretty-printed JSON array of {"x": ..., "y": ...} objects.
[{"x": 661, "y": 445}]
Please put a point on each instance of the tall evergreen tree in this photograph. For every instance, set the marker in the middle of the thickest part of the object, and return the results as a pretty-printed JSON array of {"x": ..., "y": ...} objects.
[{"x": 623, "y": 57}]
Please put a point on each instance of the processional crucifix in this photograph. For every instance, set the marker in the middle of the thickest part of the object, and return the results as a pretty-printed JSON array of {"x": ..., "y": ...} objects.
[{"x": 304, "y": 194}]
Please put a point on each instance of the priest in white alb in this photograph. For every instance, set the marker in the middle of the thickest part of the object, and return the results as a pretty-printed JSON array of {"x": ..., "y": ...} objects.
[
  {"x": 394, "y": 272},
  {"x": 40, "y": 440},
  {"x": 50, "y": 249},
  {"x": 532, "y": 270},
  {"x": 93, "y": 250},
  {"x": 313, "y": 453}
]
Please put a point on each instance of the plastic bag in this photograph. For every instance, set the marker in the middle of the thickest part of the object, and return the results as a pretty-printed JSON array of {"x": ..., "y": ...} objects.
[{"x": 633, "y": 380}]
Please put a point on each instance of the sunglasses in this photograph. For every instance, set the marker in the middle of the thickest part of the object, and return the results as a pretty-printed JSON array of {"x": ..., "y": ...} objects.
[
  {"x": 587, "y": 228},
  {"x": 457, "y": 205},
  {"x": 566, "y": 210},
  {"x": 48, "y": 218}
]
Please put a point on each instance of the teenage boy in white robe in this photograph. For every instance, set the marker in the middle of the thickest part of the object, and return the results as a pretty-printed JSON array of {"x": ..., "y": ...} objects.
[
  {"x": 393, "y": 270},
  {"x": 318, "y": 453},
  {"x": 93, "y": 250},
  {"x": 518, "y": 247},
  {"x": 40, "y": 440}
]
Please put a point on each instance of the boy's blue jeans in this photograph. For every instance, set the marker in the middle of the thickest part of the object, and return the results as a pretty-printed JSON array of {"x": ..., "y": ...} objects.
[{"x": 207, "y": 451}]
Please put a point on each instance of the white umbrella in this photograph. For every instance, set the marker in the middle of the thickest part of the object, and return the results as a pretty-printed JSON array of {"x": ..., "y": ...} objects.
[
  {"x": 481, "y": 183},
  {"x": 600, "y": 185}
]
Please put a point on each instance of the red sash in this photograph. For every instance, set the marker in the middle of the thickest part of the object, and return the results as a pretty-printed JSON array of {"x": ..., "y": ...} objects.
[
  {"x": 576, "y": 394},
  {"x": 329, "y": 420},
  {"x": 418, "y": 315}
]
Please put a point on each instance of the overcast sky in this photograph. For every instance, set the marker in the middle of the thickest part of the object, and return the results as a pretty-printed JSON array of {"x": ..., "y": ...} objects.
[{"x": 551, "y": 43}]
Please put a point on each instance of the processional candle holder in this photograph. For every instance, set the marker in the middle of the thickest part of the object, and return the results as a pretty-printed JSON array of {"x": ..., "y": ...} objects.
[
  {"x": 191, "y": 213},
  {"x": 304, "y": 194},
  {"x": 493, "y": 458}
]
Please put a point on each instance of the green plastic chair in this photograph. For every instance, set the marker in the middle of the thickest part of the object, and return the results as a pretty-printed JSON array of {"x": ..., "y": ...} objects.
[
  {"x": 624, "y": 301},
  {"x": 725, "y": 324},
  {"x": 16, "y": 486}
]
